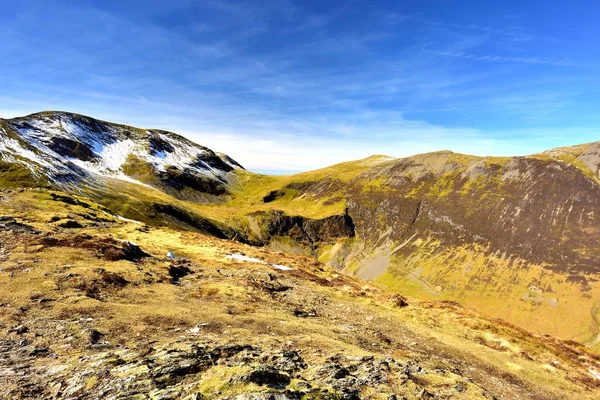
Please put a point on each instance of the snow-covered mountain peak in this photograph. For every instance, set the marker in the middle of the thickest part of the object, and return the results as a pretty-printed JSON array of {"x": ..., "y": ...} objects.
[{"x": 65, "y": 147}]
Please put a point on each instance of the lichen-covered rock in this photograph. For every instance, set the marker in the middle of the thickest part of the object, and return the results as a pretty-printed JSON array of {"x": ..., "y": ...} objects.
[{"x": 267, "y": 376}]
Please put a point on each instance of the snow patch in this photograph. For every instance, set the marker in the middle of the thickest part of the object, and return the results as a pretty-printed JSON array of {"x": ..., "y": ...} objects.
[
  {"x": 183, "y": 156},
  {"x": 111, "y": 158},
  {"x": 241, "y": 257},
  {"x": 120, "y": 218},
  {"x": 282, "y": 267}
]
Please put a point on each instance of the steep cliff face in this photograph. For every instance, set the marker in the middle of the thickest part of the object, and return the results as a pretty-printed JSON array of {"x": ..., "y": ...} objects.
[
  {"x": 307, "y": 232},
  {"x": 542, "y": 211}
]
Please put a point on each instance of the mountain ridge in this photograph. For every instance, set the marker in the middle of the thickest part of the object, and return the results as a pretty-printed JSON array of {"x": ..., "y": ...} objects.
[{"x": 556, "y": 152}]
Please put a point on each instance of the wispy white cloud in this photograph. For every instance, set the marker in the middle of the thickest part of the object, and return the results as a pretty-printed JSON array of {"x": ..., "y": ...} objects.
[
  {"x": 505, "y": 59},
  {"x": 301, "y": 153},
  {"x": 504, "y": 29},
  {"x": 310, "y": 23}
]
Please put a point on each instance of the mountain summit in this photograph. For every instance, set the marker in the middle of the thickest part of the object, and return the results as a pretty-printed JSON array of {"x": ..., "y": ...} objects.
[{"x": 69, "y": 149}]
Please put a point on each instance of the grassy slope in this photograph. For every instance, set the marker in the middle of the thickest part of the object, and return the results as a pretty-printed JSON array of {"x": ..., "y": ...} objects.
[
  {"x": 498, "y": 358},
  {"x": 248, "y": 197},
  {"x": 254, "y": 187},
  {"x": 525, "y": 294},
  {"x": 498, "y": 285}
]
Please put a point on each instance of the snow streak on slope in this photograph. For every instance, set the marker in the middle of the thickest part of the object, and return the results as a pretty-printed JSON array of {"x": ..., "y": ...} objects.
[{"x": 12, "y": 150}]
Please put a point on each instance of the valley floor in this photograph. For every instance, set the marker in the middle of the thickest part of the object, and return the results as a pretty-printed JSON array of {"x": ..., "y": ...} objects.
[{"x": 91, "y": 307}]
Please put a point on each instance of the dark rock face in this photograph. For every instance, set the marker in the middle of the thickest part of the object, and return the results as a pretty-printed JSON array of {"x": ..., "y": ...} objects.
[
  {"x": 95, "y": 336},
  {"x": 273, "y": 195},
  {"x": 71, "y": 148},
  {"x": 178, "y": 270},
  {"x": 268, "y": 376},
  {"x": 214, "y": 161},
  {"x": 230, "y": 160},
  {"x": 178, "y": 179},
  {"x": 70, "y": 224},
  {"x": 158, "y": 144},
  {"x": 306, "y": 231},
  {"x": 541, "y": 211},
  {"x": 9, "y": 224}
]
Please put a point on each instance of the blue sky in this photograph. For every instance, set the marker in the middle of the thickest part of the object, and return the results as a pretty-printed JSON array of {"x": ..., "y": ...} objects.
[{"x": 289, "y": 85}]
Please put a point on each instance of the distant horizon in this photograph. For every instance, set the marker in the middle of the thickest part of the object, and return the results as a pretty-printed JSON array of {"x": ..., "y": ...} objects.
[
  {"x": 267, "y": 171},
  {"x": 290, "y": 85}
]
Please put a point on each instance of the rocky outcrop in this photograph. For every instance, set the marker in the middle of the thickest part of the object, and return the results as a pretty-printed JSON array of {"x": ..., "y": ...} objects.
[
  {"x": 179, "y": 371},
  {"x": 305, "y": 231},
  {"x": 107, "y": 248},
  {"x": 10, "y": 225}
]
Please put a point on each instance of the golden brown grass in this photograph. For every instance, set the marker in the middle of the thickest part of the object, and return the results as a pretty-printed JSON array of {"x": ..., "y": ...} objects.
[{"x": 232, "y": 301}]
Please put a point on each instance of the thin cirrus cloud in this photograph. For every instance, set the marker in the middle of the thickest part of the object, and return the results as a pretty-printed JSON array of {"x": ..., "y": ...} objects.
[
  {"x": 494, "y": 58},
  {"x": 290, "y": 85}
]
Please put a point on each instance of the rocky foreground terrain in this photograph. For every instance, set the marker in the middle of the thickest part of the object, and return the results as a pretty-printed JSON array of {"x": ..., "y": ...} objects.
[{"x": 93, "y": 306}]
